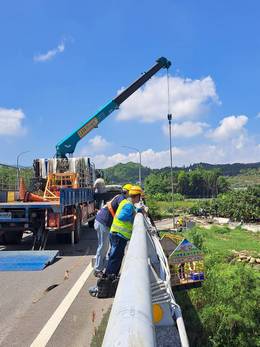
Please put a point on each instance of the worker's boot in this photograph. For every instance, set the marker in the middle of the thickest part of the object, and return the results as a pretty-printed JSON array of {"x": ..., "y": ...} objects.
[
  {"x": 104, "y": 286},
  {"x": 107, "y": 286}
]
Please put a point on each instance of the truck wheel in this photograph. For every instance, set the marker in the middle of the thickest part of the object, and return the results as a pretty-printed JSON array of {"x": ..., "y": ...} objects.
[
  {"x": 91, "y": 223},
  {"x": 77, "y": 228},
  {"x": 13, "y": 237}
]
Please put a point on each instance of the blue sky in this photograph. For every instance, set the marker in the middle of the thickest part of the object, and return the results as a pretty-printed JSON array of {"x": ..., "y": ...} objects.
[{"x": 62, "y": 60}]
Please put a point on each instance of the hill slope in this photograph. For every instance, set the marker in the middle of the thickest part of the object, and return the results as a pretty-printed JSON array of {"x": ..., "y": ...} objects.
[{"x": 121, "y": 173}]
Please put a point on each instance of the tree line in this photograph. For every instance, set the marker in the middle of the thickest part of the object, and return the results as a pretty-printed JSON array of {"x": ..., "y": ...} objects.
[
  {"x": 238, "y": 205},
  {"x": 121, "y": 173},
  {"x": 198, "y": 183}
]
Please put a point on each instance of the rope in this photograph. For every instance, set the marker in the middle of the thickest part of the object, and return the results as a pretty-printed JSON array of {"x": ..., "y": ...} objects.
[
  {"x": 168, "y": 90},
  {"x": 170, "y": 133}
]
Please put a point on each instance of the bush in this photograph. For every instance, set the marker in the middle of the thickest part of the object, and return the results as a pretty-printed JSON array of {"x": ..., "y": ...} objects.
[
  {"x": 197, "y": 238},
  {"x": 154, "y": 210},
  {"x": 227, "y": 305},
  {"x": 237, "y": 205},
  {"x": 220, "y": 230}
]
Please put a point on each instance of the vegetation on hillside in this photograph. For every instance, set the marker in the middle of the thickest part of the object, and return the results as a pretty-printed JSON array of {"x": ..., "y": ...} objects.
[
  {"x": 246, "y": 178},
  {"x": 8, "y": 177},
  {"x": 199, "y": 183},
  {"x": 128, "y": 172},
  {"x": 224, "y": 312},
  {"x": 122, "y": 173}
]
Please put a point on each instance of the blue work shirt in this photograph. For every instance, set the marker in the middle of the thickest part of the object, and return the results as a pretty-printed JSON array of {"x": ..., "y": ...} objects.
[
  {"x": 127, "y": 213},
  {"x": 104, "y": 216}
]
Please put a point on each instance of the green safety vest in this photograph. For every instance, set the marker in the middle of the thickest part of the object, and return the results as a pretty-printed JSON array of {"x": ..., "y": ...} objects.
[{"x": 122, "y": 227}]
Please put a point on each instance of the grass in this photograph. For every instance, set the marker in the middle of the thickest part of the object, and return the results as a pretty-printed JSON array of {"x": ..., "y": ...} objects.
[
  {"x": 222, "y": 240},
  {"x": 203, "y": 321},
  {"x": 183, "y": 206},
  {"x": 97, "y": 339},
  {"x": 244, "y": 180}
]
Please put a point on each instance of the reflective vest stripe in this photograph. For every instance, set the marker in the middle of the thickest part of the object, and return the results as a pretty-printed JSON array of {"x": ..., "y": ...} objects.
[{"x": 122, "y": 227}]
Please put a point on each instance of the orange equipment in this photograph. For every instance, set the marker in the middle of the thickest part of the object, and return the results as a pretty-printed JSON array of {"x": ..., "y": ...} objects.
[{"x": 56, "y": 181}]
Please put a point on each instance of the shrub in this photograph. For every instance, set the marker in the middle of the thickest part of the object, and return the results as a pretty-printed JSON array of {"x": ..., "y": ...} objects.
[
  {"x": 154, "y": 209},
  {"x": 227, "y": 305},
  {"x": 197, "y": 238},
  {"x": 237, "y": 205}
]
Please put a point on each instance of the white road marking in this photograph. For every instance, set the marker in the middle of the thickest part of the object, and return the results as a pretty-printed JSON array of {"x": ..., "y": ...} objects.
[{"x": 52, "y": 324}]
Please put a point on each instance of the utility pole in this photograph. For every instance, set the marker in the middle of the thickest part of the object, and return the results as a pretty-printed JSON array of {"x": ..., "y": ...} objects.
[
  {"x": 169, "y": 116},
  {"x": 17, "y": 168},
  {"x": 140, "y": 162}
]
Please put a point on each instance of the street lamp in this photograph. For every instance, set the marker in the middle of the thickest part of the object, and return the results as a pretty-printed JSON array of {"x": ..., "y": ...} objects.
[
  {"x": 140, "y": 162},
  {"x": 169, "y": 116},
  {"x": 17, "y": 168}
]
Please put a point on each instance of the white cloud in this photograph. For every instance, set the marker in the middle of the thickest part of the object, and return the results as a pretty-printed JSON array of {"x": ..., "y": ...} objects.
[
  {"x": 95, "y": 145},
  {"x": 188, "y": 99},
  {"x": 229, "y": 127},
  {"x": 50, "y": 54},
  {"x": 226, "y": 152},
  {"x": 11, "y": 121},
  {"x": 186, "y": 129},
  {"x": 258, "y": 115},
  {"x": 150, "y": 158}
]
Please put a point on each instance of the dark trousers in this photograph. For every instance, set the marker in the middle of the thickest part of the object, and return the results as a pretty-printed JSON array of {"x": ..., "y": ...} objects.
[{"x": 116, "y": 254}]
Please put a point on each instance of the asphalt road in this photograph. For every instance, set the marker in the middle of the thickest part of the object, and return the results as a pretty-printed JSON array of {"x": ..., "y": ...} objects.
[{"x": 29, "y": 299}]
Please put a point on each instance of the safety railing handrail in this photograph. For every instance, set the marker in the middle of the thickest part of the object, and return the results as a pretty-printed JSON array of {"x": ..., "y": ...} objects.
[{"x": 130, "y": 322}]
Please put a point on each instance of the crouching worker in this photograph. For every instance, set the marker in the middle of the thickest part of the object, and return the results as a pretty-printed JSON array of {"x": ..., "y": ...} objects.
[
  {"x": 120, "y": 234},
  {"x": 102, "y": 226}
]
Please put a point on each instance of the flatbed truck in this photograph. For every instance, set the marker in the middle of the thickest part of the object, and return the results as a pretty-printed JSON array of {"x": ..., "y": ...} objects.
[
  {"x": 66, "y": 209},
  {"x": 64, "y": 217}
]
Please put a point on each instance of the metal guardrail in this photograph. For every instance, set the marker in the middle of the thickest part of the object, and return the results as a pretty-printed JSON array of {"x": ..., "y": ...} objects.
[
  {"x": 144, "y": 282},
  {"x": 130, "y": 322}
]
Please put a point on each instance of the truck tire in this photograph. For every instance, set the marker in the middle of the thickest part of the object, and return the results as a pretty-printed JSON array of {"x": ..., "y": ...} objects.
[{"x": 13, "y": 237}]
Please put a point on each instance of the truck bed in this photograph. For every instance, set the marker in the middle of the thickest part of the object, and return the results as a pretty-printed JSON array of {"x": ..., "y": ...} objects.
[
  {"x": 68, "y": 197},
  {"x": 30, "y": 204},
  {"x": 54, "y": 205}
]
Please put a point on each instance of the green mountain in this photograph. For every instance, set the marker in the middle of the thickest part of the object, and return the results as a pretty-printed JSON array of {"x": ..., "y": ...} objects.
[{"x": 122, "y": 173}]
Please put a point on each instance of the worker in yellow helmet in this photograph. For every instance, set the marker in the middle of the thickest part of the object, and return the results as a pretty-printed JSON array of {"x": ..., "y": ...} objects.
[
  {"x": 102, "y": 225},
  {"x": 127, "y": 187},
  {"x": 121, "y": 230}
]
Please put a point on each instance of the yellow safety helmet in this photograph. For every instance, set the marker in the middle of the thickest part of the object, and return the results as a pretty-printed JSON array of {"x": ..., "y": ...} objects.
[
  {"x": 135, "y": 190},
  {"x": 127, "y": 187}
]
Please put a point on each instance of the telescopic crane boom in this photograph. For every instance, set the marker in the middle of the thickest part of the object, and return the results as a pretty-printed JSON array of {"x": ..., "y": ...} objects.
[{"x": 68, "y": 145}]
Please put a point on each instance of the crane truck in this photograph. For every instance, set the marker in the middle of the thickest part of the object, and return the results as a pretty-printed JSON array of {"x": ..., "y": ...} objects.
[{"x": 62, "y": 197}]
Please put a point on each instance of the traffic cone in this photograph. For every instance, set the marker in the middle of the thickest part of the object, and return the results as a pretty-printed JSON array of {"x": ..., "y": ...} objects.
[
  {"x": 34, "y": 198},
  {"x": 22, "y": 189}
]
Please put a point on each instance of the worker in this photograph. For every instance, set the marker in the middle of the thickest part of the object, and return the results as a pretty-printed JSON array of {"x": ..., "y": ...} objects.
[
  {"x": 99, "y": 185},
  {"x": 102, "y": 225},
  {"x": 121, "y": 230},
  {"x": 99, "y": 188}
]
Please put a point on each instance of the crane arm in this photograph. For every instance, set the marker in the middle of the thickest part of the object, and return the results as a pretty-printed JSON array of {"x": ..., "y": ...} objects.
[{"x": 68, "y": 144}]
